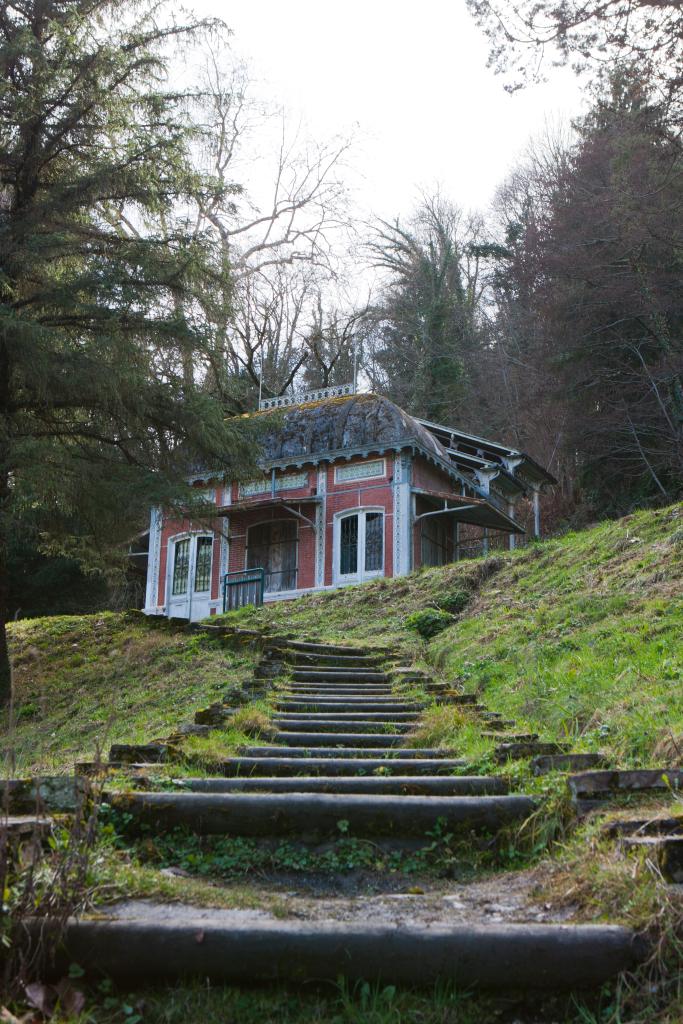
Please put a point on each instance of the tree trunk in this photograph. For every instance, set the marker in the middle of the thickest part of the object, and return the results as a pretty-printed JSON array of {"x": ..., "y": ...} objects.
[
  {"x": 5, "y": 669},
  {"x": 5, "y": 672}
]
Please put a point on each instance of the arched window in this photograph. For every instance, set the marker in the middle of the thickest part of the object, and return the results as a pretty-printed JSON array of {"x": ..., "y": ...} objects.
[{"x": 359, "y": 545}]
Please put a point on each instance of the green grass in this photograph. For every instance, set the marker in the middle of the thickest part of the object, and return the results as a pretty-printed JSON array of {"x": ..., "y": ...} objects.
[
  {"x": 577, "y": 638},
  {"x": 83, "y": 682},
  {"x": 581, "y": 638}
]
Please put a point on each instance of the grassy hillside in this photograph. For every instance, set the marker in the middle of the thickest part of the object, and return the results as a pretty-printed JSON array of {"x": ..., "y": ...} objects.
[
  {"x": 581, "y": 636},
  {"x": 87, "y": 681},
  {"x": 578, "y": 637}
]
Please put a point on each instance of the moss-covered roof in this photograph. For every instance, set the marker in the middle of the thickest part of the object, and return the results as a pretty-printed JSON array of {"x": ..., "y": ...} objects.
[{"x": 354, "y": 423}]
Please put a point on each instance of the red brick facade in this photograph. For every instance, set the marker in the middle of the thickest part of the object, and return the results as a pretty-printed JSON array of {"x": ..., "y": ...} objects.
[{"x": 331, "y": 491}]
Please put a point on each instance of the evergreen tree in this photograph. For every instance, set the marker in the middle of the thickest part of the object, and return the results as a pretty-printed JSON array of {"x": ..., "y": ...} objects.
[
  {"x": 102, "y": 350},
  {"x": 423, "y": 332}
]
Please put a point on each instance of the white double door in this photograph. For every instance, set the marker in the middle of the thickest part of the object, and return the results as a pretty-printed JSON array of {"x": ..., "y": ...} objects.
[
  {"x": 189, "y": 576},
  {"x": 359, "y": 545}
]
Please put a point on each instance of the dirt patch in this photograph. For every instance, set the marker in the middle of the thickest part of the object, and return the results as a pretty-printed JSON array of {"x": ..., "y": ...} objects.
[{"x": 410, "y": 904}]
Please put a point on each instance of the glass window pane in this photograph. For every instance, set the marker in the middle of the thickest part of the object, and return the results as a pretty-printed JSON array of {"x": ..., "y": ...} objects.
[
  {"x": 273, "y": 547},
  {"x": 348, "y": 554},
  {"x": 181, "y": 567},
  {"x": 374, "y": 546},
  {"x": 202, "y": 573}
]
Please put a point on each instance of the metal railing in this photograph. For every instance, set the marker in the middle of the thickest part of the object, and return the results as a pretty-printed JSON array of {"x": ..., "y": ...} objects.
[{"x": 243, "y": 587}]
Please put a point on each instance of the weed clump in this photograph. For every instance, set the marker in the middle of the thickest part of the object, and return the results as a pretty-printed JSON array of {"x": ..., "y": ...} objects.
[
  {"x": 455, "y": 601},
  {"x": 430, "y": 622},
  {"x": 253, "y": 722}
]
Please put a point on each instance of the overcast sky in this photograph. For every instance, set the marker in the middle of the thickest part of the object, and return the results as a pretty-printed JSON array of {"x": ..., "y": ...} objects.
[{"x": 410, "y": 78}]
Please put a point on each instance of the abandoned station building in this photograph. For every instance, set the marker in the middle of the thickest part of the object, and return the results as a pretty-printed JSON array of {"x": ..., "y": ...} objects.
[{"x": 353, "y": 488}]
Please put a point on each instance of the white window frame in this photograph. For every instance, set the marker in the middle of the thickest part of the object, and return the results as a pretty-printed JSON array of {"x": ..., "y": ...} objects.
[
  {"x": 190, "y": 594},
  {"x": 286, "y": 482},
  {"x": 360, "y": 575},
  {"x": 349, "y": 473}
]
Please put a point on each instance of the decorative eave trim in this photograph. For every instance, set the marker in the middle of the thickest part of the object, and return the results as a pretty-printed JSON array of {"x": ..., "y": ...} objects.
[{"x": 364, "y": 451}]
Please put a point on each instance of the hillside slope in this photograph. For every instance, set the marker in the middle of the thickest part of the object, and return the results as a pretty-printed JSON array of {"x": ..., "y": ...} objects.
[
  {"x": 83, "y": 682},
  {"x": 578, "y": 636}
]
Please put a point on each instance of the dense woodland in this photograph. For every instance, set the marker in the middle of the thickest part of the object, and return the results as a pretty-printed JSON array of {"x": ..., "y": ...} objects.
[{"x": 146, "y": 296}]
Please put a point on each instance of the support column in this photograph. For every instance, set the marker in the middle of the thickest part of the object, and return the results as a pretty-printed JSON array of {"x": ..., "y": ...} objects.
[
  {"x": 403, "y": 519},
  {"x": 320, "y": 528},
  {"x": 537, "y": 512},
  {"x": 511, "y": 537},
  {"x": 153, "y": 561}
]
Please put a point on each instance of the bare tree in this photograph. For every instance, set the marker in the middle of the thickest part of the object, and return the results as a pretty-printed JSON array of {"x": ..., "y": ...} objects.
[{"x": 270, "y": 250}]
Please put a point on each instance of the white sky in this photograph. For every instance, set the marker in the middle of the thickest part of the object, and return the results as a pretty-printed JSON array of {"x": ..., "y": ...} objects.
[{"x": 410, "y": 78}]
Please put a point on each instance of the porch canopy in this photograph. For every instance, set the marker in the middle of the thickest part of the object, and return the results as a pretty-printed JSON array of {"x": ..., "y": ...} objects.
[
  {"x": 268, "y": 502},
  {"x": 473, "y": 511}
]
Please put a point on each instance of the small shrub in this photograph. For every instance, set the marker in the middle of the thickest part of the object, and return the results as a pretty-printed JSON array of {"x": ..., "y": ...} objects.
[
  {"x": 253, "y": 722},
  {"x": 430, "y": 622},
  {"x": 455, "y": 601}
]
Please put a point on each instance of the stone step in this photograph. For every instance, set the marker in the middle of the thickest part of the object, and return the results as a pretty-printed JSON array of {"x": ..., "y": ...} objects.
[
  {"x": 100, "y": 769},
  {"x": 335, "y": 672},
  {"x": 20, "y": 828},
  {"x": 310, "y": 691},
  {"x": 313, "y": 648},
  {"x": 630, "y": 780},
  {"x": 330, "y": 706},
  {"x": 666, "y": 851},
  {"x": 511, "y": 737},
  {"x": 650, "y": 826},
  {"x": 334, "y": 696},
  {"x": 501, "y": 724},
  {"x": 343, "y": 675},
  {"x": 149, "y": 753},
  {"x": 512, "y": 751},
  {"x": 415, "y": 785},
  {"x": 162, "y": 943},
  {"x": 335, "y": 725},
  {"x": 305, "y": 660},
  {"x": 316, "y": 816},
  {"x": 331, "y": 685},
  {"x": 60, "y": 793},
  {"x": 565, "y": 763},
  {"x": 386, "y": 753},
  {"x": 338, "y": 739},
  {"x": 215, "y": 715},
  {"x": 347, "y": 716},
  {"x": 339, "y": 763}
]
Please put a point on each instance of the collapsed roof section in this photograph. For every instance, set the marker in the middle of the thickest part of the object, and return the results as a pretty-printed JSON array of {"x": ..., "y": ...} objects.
[{"x": 507, "y": 472}]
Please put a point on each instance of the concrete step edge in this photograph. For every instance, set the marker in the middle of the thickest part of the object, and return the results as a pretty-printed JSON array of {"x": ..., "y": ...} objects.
[
  {"x": 195, "y": 943},
  {"x": 311, "y": 815}
]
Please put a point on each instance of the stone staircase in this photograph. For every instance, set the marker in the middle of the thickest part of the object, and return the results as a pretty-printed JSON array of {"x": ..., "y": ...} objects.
[{"x": 341, "y": 757}]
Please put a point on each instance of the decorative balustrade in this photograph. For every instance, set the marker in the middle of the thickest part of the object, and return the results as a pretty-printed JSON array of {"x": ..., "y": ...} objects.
[{"x": 299, "y": 397}]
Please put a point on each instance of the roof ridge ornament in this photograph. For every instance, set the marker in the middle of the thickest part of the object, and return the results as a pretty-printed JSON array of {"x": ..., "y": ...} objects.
[{"x": 299, "y": 397}]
